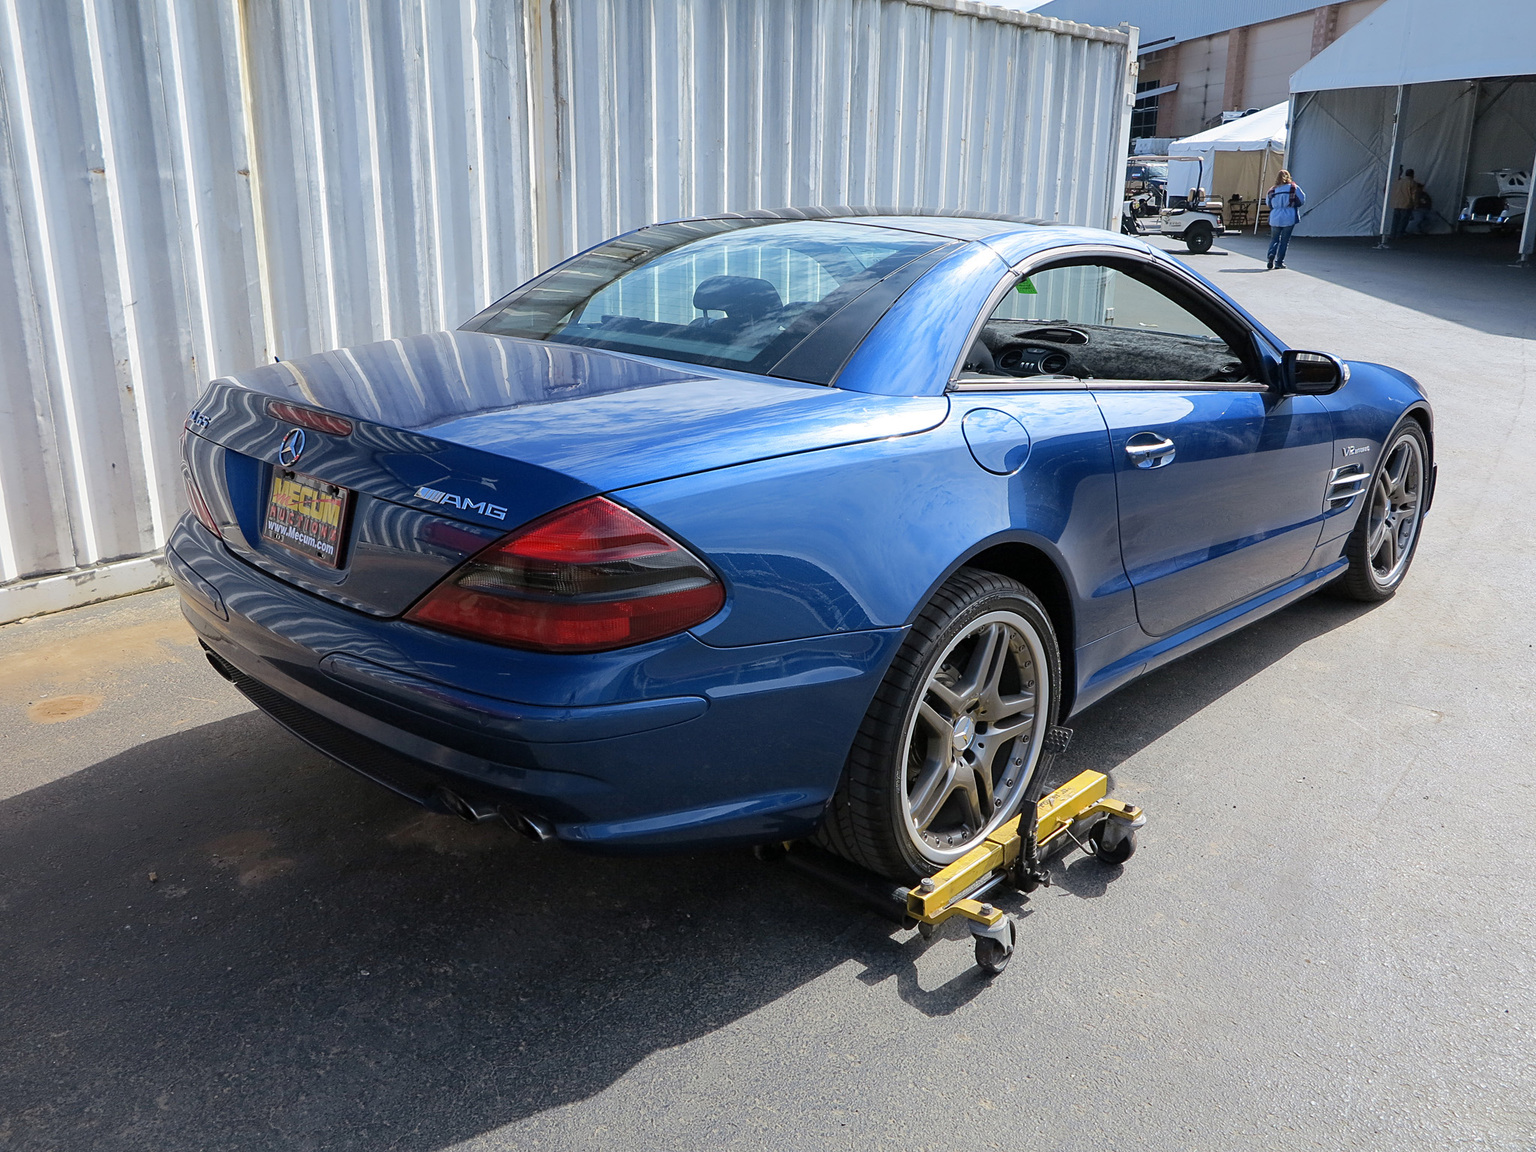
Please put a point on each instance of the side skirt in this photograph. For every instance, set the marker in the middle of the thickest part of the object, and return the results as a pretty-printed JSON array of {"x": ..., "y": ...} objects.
[{"x": 1176, "y": 644}]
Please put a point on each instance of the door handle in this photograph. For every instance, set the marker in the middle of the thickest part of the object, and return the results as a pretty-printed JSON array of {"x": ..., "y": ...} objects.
[{"x": 1149, "y": 450}]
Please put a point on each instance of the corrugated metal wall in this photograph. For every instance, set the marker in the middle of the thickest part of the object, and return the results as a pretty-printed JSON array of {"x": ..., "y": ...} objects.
[{"x": 192, "y": 187}]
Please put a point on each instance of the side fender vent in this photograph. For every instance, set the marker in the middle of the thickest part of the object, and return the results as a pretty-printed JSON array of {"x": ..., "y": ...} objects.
[{"x": 1344, "y": 484}]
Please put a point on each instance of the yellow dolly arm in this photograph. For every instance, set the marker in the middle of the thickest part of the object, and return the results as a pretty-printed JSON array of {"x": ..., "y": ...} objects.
[{"x": 1083, "y": 803}]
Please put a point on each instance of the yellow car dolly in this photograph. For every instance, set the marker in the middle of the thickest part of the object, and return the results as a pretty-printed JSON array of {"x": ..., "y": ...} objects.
[{"x": 1080, "y": 814}]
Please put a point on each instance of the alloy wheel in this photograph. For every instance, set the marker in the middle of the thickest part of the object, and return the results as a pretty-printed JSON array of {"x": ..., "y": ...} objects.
[
  {"x": 973, "y": 740},
  {"x": 1396, "y": 505}
]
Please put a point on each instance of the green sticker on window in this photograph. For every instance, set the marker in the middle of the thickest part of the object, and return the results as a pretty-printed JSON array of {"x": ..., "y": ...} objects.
[{"x": 1027, "y": 288}]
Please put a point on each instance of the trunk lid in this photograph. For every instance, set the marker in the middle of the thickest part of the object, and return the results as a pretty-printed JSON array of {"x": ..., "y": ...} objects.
[{"x": 459, "y": 437}]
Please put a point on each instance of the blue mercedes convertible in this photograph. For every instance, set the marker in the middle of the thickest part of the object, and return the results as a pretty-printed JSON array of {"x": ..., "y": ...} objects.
[{"x": 752, "y": 527}]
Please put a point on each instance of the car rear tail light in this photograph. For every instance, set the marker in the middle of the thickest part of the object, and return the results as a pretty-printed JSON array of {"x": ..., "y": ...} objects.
[
  {"x": 587, "y": 578},
  {"x": 199, "y": 505},
  {"x": 309, "y": 418}
]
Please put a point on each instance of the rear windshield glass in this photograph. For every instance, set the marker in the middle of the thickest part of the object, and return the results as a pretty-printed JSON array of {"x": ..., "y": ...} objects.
[{"x": 726, "y": 293}]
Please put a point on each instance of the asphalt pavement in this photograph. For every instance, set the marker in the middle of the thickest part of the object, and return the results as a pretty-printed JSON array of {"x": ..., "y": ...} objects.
[{"x": 213, "y": 938}]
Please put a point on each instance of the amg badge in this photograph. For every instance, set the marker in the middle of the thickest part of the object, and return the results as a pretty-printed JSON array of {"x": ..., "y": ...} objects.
[{"x": 463, "y": 503}]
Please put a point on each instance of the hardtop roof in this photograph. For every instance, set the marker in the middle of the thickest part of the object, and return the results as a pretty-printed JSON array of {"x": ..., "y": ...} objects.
[{"x": 951, "y": 223}]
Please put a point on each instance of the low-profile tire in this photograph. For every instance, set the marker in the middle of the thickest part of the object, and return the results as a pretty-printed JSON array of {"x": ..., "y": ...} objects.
[
  {"x": 955, "y": 733},
  {"x": 1384, "y": 539},
  {"x": 1199, "y": 238}
]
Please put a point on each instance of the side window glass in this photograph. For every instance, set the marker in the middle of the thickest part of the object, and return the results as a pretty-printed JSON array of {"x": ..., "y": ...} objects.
[{"x": 1095, "y": 322}]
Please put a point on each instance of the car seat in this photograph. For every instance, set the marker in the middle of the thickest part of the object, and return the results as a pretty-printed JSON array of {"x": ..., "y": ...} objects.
[{"x": 743, "y": 299}]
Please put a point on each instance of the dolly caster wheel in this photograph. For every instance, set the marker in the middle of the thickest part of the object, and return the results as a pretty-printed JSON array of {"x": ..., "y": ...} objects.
[
  {"x": 926, "y": 930},
  {"x": 768, "y": 853},
  {"x": 1111, "y": 842},
  {"x": 992, "y": 953}
]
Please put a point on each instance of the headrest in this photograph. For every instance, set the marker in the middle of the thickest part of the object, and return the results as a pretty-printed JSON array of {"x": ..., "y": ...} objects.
[{"x": 739, "y": 297}]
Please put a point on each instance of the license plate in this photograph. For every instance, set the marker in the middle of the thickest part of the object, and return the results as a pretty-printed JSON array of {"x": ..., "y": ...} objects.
[{"x": 307, "y": 515}]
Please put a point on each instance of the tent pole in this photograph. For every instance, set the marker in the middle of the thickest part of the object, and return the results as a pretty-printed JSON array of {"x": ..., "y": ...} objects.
[
  {"x": 1528, "y": 228},
  {"x": 1466, "y": 153},
  {"x": 1288, "y": 157},
  {"x": 1290, "y": 134},
  {"x": 1263, "y": 171},
  {"x": 1386, "y": 194}
]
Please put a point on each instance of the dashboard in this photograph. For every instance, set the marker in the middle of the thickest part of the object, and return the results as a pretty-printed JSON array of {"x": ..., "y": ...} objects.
[
  {"x": 1027, "y": 360},
  {"x": 1030, "y": 348}
]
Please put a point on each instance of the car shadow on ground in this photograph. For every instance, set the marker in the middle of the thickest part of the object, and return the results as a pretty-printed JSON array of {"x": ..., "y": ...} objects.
[
  {"x": 220, "y": 939},
  {"x": 1115, "y": 729}
]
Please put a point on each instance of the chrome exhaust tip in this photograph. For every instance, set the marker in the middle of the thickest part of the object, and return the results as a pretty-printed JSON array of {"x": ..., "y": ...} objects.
[
  {"x": 466, "y": 810},
  {"x": 217, "y": 664},
  {"x": 536, "y": 828}
]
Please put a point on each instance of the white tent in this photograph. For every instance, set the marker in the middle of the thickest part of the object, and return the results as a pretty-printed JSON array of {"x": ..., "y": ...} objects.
[
  {"x": 1424, "y": 41},
  {"x": 1241, "y": 156},
  {"x": 1447, "y": 91}
]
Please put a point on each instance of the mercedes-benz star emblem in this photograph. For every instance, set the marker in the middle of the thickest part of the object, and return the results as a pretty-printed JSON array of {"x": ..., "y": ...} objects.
[{"x": 292, "y": 447}]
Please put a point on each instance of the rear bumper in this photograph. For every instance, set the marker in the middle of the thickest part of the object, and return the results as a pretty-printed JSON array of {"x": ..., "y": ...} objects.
[{"x": 674, "y": 744}]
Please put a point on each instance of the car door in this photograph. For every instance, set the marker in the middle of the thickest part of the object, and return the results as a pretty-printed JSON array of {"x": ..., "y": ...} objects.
[{"x": 1219, "y": 478}]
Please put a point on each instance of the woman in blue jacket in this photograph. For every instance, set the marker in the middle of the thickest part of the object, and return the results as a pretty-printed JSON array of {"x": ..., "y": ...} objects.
[{"x": 1284, "y": 200}]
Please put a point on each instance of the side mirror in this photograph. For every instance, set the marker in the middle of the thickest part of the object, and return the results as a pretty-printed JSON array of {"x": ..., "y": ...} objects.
[{"x": 1312, "y": 373}]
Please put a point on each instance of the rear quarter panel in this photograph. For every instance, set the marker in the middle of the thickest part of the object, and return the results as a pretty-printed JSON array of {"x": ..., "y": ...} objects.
[{"x": 858, "y": 537}]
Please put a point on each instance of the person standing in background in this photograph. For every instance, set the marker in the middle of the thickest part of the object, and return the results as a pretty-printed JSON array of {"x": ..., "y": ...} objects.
[
  {"x": 1405, "y": 198},
  {"x": 1423, "y": 212},
  {"x": 1285, "y": 201}
]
